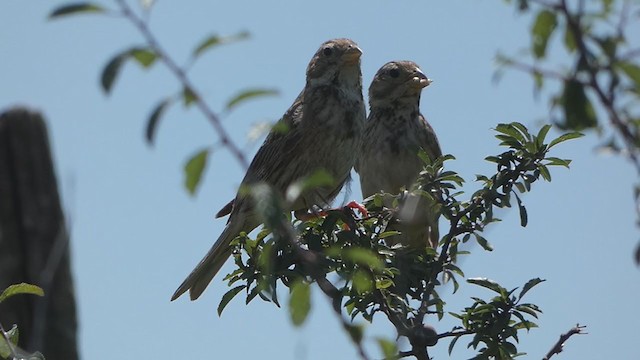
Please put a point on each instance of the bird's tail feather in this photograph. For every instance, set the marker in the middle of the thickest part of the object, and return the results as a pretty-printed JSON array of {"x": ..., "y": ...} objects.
[{"x": 209, "y": 266}]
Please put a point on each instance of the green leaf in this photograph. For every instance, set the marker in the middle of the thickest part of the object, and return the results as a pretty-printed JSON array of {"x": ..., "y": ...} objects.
[
  {"x": 215, "y": 40},
  {"x": 22, "y": 288},
  {"x": 389, "y": 348},
  {"x": 112, "y": 69},
  {"x": 356, "y": 332},
  {"x": 193, "y": 170},
  {"x": 453, "y": 343},
  {"x": 383, "y": 283},
  {"x": 248, "y": 95},
  {"x": 565, "y": 137},
  {"x": 226, "y": 298},
  {"x": 363, "y": 256},
  {"x": 6, "y": 349},
  {"x": 529, "y": 285},
  {"x": 154, "y": 118},
  {"x": 632, "y": 71},
  {"x": 188, "y": 96},
  {"x": 542, "y": 134},
  {"x": 511, "y": 130},
  {"x": 144, "y": 56},
  {"x": 386, "y": 234},
  {"x": 318, "y": 179},
  {"x": 543, "y": 27},
  {"x": 544, "y": 172},
  {"x": 299, "y": 302},
  {"x": 78, "y": 8},
  {"x": 362, "y": 282},
  {"x": 487, "y": 283},
  {"x": 483, "y": 242},
  {"x": 569, "y": 40},
  {"x": 579, "y": 113},
  {"x": 554, "y": 161},
  {"x": 524, "y": 219}
]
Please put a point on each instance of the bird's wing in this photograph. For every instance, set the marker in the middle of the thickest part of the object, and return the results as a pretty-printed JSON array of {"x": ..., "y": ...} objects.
[
  {"x": 430, "y": 140},
  {"x": 272, "y": 154}
]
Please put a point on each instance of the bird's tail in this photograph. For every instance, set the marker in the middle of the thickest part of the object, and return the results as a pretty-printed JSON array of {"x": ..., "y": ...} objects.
[{"x": 209, "y": 266}]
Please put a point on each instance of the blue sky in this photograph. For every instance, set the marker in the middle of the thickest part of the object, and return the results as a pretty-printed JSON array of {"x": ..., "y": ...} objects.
[{"x": 136, "y": 233}]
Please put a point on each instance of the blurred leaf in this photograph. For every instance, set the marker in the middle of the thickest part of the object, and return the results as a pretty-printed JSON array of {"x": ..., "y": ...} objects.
[
  {"x": 144, "y": 56},
  {"x": 529, "y": 285},
  {"x": 22, "y": 288},
  {"x": 543, "y": 27},
  {"x": 362, "y": 282},
  {"x": 579, "y": 113},
  {"x": 632, "y": 71},
  {"x": 248, "y": 95},
  {"x": 363, "y": 256},
  {"x": 78, "y": 8},
  {"x": 569, "y": 40},
  {"x": 215, "y": 40},
  {"x": 154, "y": 118},
  {"x": 638, "y": 255},
  {"x": 318, "y": 179},
  {"x": 299, "y": 302},
  {"x": 355, "y": 332},
  {"x": 193, "y": 170},
  {"x": 111, "y": 70},
  {"x": 389, "y": 348},
  {"x": 565, "y": 137},
  {"x": 188, "y": 96},
  {"x": 487, "y": 283}
]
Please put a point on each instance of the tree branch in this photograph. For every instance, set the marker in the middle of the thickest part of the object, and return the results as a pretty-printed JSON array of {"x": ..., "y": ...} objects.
[
  {"x": 182, "y": 77},
  {"x": 557, "y": 348}
]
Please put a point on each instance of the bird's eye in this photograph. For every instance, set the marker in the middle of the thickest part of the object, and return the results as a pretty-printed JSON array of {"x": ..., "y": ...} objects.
[
  {"x": 394, "y": 73},
  {"x": 327, "y": 51}
]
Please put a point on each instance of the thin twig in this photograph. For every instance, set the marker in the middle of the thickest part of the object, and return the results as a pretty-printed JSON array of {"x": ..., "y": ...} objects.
[
  {"x": 182, "y": 77},
  {"x": 557, "y": 347}
]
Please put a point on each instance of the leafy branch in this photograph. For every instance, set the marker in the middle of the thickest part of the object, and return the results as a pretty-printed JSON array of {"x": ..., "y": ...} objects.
[
  {"x": 372, "y": 274},
  {"x": 602, "y": 83},
  {"x": 146, "y": 56}
]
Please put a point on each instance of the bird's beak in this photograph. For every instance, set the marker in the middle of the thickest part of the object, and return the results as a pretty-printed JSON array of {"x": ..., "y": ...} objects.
[
  {"x": 352, "y": 55},
  {"x": 421, "y": 80}
]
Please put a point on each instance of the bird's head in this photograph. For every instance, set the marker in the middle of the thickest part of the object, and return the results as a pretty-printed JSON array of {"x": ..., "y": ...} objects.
[
  {"x": 397, "y": 82},
  {"x": 335, "y": 60}
]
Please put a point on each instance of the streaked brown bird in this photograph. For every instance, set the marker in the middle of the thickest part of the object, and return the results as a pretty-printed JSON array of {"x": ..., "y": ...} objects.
[
  {"x": 394, "y": 134},
  {"x": 323, "y": 131}
]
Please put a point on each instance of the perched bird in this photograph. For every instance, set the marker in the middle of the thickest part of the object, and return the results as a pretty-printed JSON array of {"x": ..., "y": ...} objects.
[
  {"x": 394, "y": 134},
  {"x": 323, "y": 131}
]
